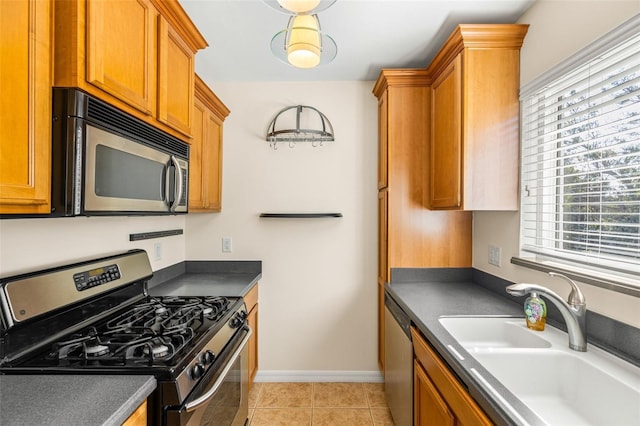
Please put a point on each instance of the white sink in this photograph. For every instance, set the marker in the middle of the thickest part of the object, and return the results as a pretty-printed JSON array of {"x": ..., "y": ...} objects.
[
  {"x": 561, "y": 386},
  {"x": 492, "y": 332},
  {"x": 564, "y": 389}
]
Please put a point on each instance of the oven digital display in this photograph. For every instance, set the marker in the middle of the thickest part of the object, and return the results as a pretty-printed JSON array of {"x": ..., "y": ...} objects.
[
  {"x": 97, "y": 271},
  {"x": 94, "y": 277}
]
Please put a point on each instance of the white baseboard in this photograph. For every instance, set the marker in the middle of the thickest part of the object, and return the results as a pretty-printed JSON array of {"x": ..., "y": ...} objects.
[{"x": 319, "y": 376}]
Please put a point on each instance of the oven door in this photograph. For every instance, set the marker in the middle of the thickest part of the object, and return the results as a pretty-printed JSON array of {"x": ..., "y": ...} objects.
[{"x": 221, "y": 397}]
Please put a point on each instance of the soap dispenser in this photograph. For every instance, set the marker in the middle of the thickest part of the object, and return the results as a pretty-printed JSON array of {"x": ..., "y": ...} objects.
[{"x": 535, "y": 311}]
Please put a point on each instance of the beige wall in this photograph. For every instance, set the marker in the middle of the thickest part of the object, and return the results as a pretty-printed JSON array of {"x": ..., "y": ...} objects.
[
  {"x": 558, "y": 29},
  {"x": 318, "y": 294},
  {"x": 30, "y": 244}
]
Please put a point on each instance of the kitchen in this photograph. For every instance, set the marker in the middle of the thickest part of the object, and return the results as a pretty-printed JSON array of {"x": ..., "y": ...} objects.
[{"x": 314, "y": 267}]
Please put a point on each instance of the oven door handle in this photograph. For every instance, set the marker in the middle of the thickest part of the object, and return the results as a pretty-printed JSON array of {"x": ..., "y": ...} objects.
[{"x": 196, "y": 403}]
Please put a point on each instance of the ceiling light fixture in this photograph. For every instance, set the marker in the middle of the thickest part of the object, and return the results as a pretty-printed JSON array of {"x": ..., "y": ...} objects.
[
  {"x": 302, "y": 44},
  {"x": 300, "y": 7}
]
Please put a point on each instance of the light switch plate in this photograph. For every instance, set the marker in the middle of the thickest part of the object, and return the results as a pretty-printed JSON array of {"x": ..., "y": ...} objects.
[
  {"x": 495, "y": 254},
  {"x": 227, "y": 245}
]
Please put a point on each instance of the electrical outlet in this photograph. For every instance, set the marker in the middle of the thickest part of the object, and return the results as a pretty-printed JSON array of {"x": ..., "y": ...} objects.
[
  {"x": 227, "y": 245},
  {"x": 495, "y": 254},
  {"x": 157, "y": 251}
]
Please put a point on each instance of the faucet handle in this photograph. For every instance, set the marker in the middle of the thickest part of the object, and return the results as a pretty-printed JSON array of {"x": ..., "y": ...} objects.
[{"x": 576, "y": 298}]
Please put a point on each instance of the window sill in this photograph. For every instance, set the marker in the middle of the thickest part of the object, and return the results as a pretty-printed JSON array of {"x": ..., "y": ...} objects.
[{"x": 615, "y": 283}]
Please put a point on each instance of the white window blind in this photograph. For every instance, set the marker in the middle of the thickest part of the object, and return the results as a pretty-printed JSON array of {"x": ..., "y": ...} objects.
[{"x": 581, "y": 162}]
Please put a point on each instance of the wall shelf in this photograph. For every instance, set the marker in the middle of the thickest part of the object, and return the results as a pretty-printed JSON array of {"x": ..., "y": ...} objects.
[
  {"x": 299, "y": 215},
  {"x": 155, "y": 234}
]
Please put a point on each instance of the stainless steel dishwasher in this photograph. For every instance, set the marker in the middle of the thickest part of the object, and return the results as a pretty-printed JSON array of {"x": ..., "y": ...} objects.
[{"x": 398, "y": 363}]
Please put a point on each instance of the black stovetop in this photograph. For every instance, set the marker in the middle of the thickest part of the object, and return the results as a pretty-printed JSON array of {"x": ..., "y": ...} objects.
[{"x": 154, "y": 334}]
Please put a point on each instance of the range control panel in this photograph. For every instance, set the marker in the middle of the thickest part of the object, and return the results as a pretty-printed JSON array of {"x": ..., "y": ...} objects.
[{"x": 94, "y": 277}]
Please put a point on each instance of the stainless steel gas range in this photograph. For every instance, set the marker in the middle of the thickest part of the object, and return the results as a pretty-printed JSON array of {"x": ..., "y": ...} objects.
[{"x": 95, "y": 317}]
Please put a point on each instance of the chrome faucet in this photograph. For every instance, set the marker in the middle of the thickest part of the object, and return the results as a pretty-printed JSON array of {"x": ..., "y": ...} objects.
[{"x": 574, "y": 310}]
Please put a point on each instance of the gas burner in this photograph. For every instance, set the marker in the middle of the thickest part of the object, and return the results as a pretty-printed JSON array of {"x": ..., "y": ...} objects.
[
  {"x": 207, "y": 310},
  {"x": 157, "y": 351},
  {"x": 180, "y": 301},
  {"x": 161, "y": 310},
  {"x": 96, "y": 350}
]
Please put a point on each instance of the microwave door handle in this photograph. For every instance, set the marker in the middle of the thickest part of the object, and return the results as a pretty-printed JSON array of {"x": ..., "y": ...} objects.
[
  {"x": 193, "y": 405},
  {"x": 167, "y": 184},
  {"x": 177, "y": 185}
]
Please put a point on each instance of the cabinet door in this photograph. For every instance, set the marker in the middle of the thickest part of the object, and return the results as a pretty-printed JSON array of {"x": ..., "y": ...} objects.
[
  {"x": 205, "y": 161},
  {"x": 121, "y": 50},
  {"x": 196, "y": 183},
  {"x": 25, "y": 106},
  {"x": 253, "y": 344},
  {"x": 446, "y": 138},
  {"x": 383, "y": 140},
  {"x": 138, "y": 417},
  {"x": 251, "y": 301},
  {"x": 383, "y": 276},
  {"x": 212, "y": 163},
  {"x": 383, "y": 235},
  {"x": 381, "y": 330},
  {"x": 429, "y": 409},
  {"x": 175, "y": 79},
  {"x": 445, "y": 386}
]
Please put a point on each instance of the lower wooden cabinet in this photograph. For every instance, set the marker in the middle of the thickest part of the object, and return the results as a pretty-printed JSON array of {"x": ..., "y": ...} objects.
[
  {"x": 205, "y": 158},
  {"x": 438, "y": 397},
  {"x": 429, "y": 407},
  {"x": 138, "y": 417},
  {"x": 251, "y": 300}
]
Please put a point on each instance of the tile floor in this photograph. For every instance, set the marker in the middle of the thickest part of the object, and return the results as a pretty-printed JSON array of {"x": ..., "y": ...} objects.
[{"x": 318, "y": 404}]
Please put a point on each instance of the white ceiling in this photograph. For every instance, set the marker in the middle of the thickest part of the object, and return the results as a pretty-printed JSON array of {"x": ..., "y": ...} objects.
[{"x": 370, "y": 34}]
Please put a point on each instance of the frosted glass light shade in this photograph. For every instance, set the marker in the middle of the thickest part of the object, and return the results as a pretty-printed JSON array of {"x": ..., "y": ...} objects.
[
  {"x": 303, "y": 50},
  {"x": 303, "y": 44},
  {"x": 299, "y": 6}
]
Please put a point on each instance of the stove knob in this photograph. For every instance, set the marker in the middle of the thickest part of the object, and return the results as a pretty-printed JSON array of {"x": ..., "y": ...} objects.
[
  {"x": 197, "y": 371},
  {"x": 236, "y": 321},
  {"x": 208, "y": 357}
]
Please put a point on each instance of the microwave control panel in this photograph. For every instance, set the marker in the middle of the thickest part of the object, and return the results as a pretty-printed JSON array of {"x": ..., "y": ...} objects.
[{"x": 95, "y": 277}]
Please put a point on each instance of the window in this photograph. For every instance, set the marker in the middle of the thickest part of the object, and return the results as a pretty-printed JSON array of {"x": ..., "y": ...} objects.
[{"x": 581, "y": 158}]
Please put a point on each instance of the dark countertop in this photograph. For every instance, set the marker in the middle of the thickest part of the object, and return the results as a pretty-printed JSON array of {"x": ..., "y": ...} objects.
[
  {"x": 71, "y": 400},
  {"x": 425, "y": 299},
  {"x": 207, "y": 278}
]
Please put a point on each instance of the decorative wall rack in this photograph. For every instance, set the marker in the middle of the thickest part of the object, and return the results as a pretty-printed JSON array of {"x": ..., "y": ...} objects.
[{"x": 285, "y": 127}]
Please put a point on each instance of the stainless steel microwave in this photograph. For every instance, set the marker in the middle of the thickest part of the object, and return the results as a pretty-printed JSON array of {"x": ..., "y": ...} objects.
[{"x": 107, "y": 162}]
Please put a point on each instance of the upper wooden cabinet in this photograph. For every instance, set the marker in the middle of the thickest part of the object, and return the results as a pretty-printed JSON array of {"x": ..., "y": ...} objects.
[
  {"x": 122, "y": 62},
  {"x": 25, "y": 106},
  {"x": 410, "y": 235},
  {"x": 205, "y": 162},
  {"x": 475, "y": 119},
  {"x": 446, "y": 159},
  {"x": 145, "y": 67},
  {"x": 383, "y": 138},
  {"x": 175, "y": 79}
]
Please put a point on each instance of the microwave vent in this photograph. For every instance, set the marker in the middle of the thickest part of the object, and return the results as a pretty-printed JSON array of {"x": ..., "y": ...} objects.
[{"x": 120, "y": 122}]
